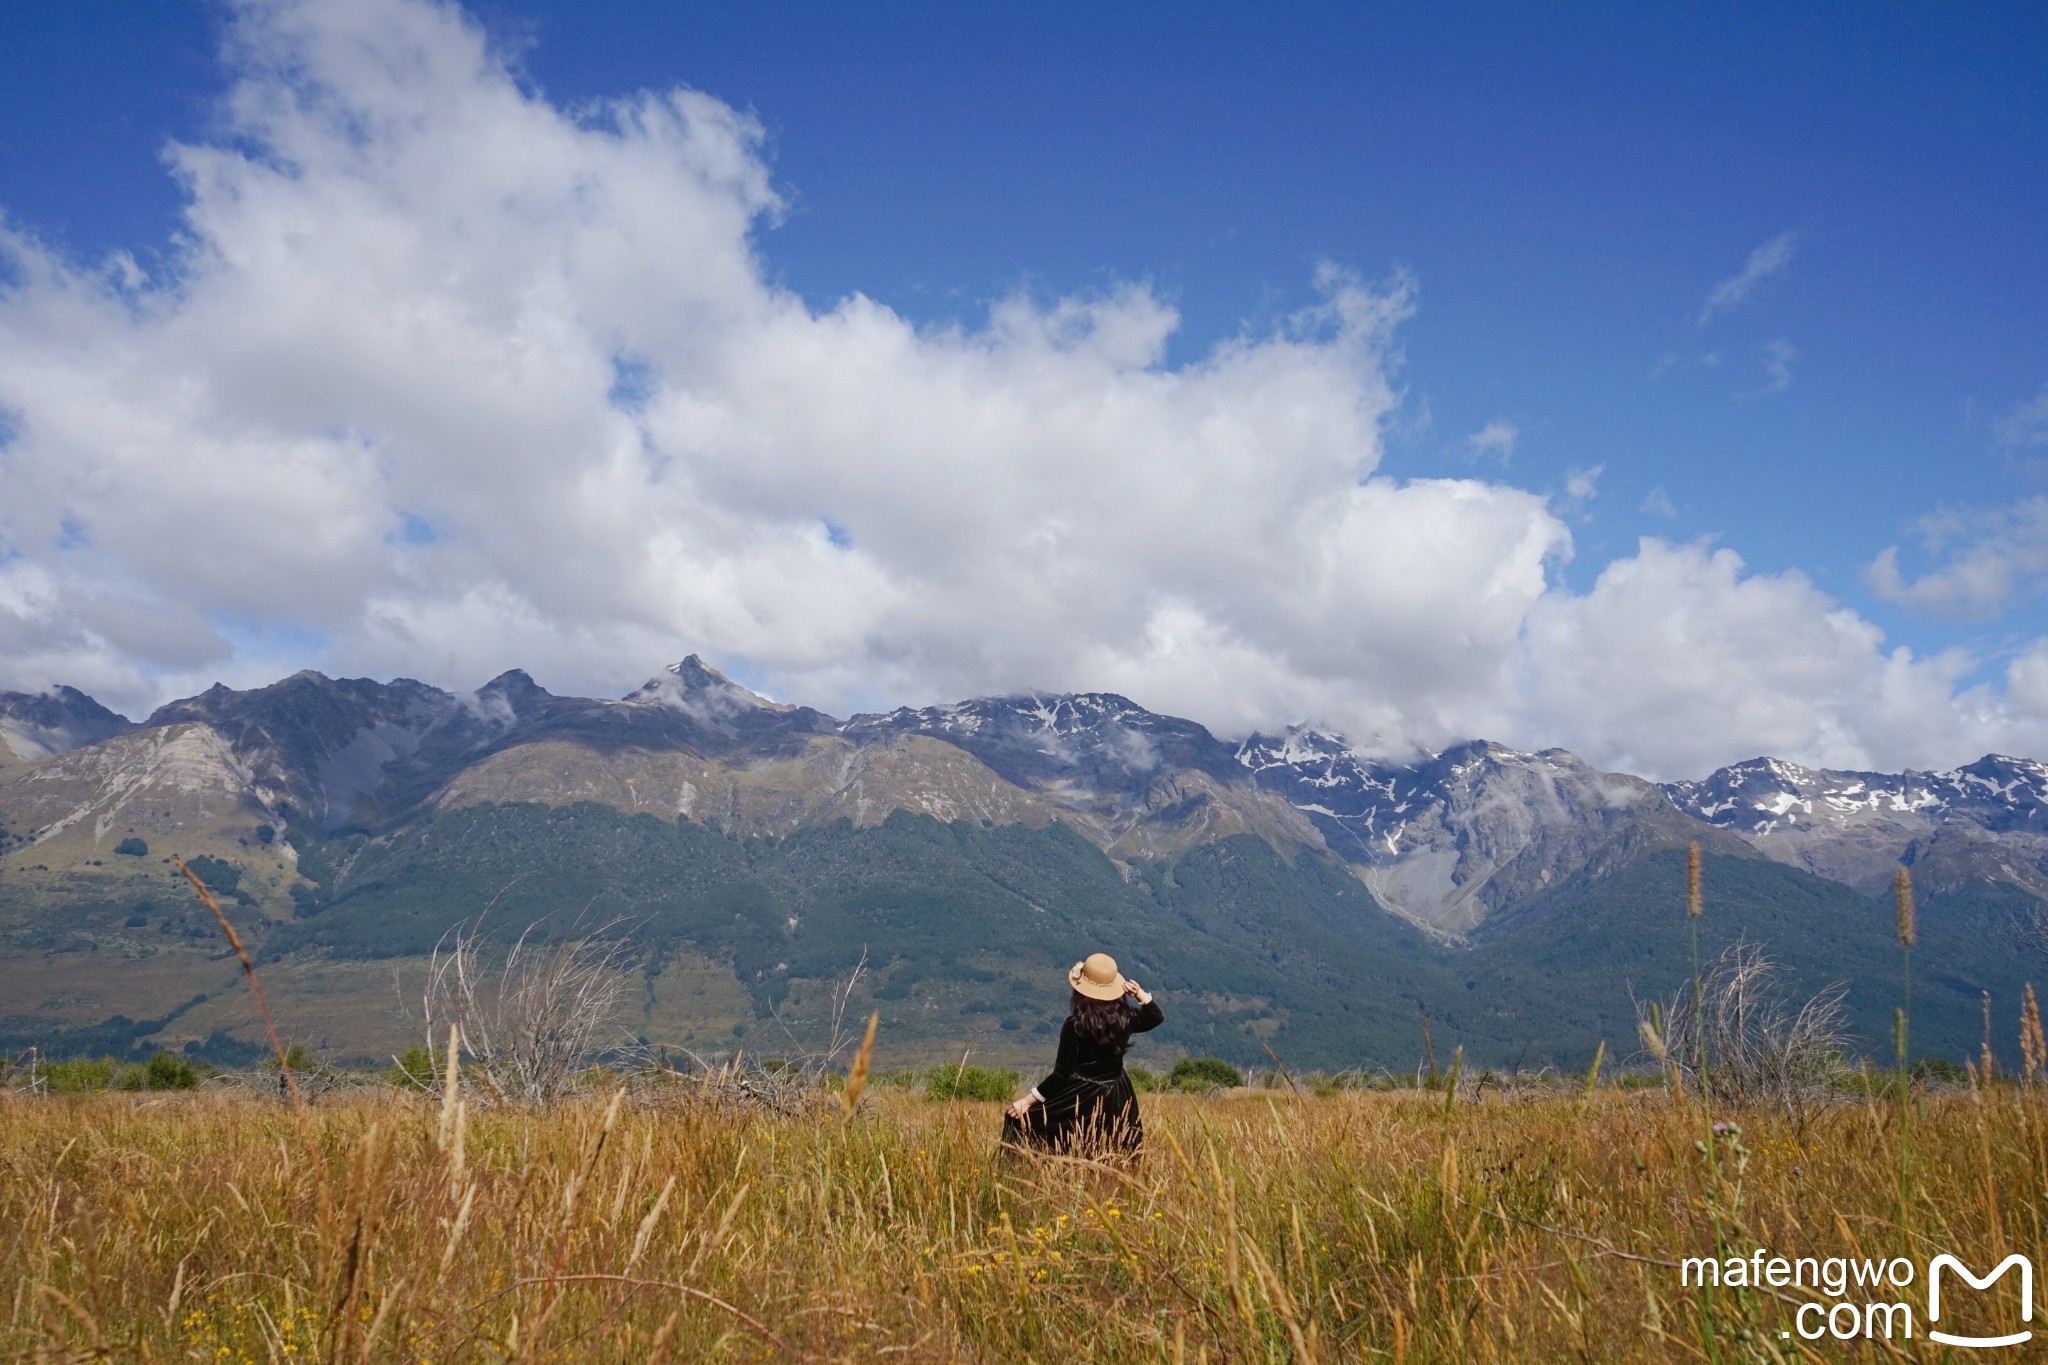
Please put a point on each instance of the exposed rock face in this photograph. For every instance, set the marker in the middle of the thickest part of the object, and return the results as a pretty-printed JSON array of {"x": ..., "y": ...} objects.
[
  {"x": 175, "y": 788},
  {"x": 1987, "y": 820},
  {"x": 828, "y": 779},
  {"x": 1140, "y": 784},
  {"x": 35, "y": 725},
  {"x": 1446, "y": 841},
  {"x": 316, "y": 747},
  {"x": 154, "y": 781},
  {"x": 1096, "y": 741},
  {"x": 691, "y": 744}
]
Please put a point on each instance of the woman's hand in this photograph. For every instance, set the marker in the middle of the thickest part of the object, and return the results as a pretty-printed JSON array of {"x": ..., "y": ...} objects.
[
  {"x": 1137, "y": 992},
  {"x": 1020, "y": 1106}
]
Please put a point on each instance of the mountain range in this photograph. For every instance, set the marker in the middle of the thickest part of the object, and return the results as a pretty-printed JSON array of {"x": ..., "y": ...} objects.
[{"x": 1293, "y": 891}]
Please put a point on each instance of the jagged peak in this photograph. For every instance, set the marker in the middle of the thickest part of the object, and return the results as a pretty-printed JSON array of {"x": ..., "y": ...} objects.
[
  {"x": 507, "y": 698},
  {"x": 696, "y": 688},
  {"x": 58, "y": 718},
  {"x": 2030, "y": 766},
  {"x": 1067, "y": 712},
  {"x": 1487, "y": 748},
  {"x": 1295, "y": 746},
  {"x": 515, "y": 680},
  {"x": 71, "y": 696},
  {"x": 56, "y": 700},
  {"x": 1061, "y": 713}
]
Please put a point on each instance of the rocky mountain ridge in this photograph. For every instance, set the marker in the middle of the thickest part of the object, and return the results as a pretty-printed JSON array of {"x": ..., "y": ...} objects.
[
  {"x": 1448, "y": 839},
  {"x": 1987, "y": 819},
  {"x": 1445, "y": 841},
  {"x": 1291, "y": 890}
]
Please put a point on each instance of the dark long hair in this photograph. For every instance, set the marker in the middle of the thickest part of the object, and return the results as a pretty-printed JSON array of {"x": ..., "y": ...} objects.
[{"x": 1105, "y": 1023}]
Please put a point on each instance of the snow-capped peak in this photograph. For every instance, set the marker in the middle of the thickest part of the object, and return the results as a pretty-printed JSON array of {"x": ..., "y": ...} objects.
[{"x": 701, "y": 692}]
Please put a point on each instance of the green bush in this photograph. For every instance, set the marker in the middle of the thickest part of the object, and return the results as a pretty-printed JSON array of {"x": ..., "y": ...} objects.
[
  {"x": 414, "y": 1069},
  {"x": 1203, "y": 1073},
  {"x": 164, "y": 1071},
  {"x": 222, "y": 878},
  {"x": 1939, "y": 1069},
  {"x": 948, "y": 1081},
  {"x": 1141, "y": 1079},
  {"x": 169, "y": 1071},
  {"x": 80, "y": 1075},
  {"x": 132, "y": 847}
]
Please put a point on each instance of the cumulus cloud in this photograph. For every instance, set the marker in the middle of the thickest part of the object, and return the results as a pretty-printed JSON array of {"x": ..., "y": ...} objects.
[
  {"x": 1767, "y": 260},
  {"x": 1676, "y": 653},
  {"x": 441, "y": 379},
  {"x": 1991, "y": 560}
]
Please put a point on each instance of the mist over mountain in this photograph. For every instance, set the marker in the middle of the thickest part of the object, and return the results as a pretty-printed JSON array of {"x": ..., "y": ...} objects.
[
  {"x": 1298, "y": 893},
  {"x": 37, "y": 724}
]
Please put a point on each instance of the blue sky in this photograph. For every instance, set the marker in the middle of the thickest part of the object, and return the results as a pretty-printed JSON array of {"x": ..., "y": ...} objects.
[{"x": 1566, "y": 190}]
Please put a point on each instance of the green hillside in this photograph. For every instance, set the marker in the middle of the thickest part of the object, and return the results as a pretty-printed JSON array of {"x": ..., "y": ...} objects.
[
  {"x": 1574, "y": 956},
  {"x": 967, "y": 928}
]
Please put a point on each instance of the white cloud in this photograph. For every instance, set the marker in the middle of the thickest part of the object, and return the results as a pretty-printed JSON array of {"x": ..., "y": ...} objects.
[
  {"x": 1778, "y": 358},
  {"x": 1496, "y": 439},
  {"x": 1582, "y": 485},
  {"x": 2025, "y": 428},
  {"x": 1658, "y": 503},
  {"x": 1993, "y": 560},
  {"x": 1676, "y": 659},
  {"x": 1767, "y": 260},
  {"x": 442, "y": 380},
  {"x": 375, "y": 407}
]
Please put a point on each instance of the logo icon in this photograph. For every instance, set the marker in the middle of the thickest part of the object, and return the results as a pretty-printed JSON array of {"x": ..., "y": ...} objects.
[{"x": 1948, "y": 1262}]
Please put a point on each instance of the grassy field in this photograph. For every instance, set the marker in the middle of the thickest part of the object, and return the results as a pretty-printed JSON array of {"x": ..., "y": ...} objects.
[{"x": 1260, "y": 1225}]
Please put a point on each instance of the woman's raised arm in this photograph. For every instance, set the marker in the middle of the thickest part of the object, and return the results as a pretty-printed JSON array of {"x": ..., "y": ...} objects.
[{"x": 1148, "y": 1015}]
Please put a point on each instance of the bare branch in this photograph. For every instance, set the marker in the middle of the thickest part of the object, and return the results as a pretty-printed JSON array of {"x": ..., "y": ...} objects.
[
  {"x": 532, "y": 1025},
  {"x": 1741, "y": 1040}
]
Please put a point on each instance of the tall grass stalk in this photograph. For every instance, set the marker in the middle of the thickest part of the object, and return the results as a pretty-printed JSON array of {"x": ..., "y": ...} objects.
[
  {"x": 1541, "y": 1224},
  {"x": 1694, "y": 905},
  {"x": 1909, "y": 934},
  {"x": 1709, "y": 1141},
  {"x": 220, "y": 917}
]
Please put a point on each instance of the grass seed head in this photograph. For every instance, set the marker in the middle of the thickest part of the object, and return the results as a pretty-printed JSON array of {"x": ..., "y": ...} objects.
[
  {"x": 857, "y": 1074},
  {"x": 2033, "y": 1047},
  {"x": 1902, "y": 893},
  {"x": 1653, "y": 1040}
]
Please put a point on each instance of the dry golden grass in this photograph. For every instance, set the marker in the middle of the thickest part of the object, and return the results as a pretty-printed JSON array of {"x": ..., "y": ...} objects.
[{"x": 1260, "y": 1226}]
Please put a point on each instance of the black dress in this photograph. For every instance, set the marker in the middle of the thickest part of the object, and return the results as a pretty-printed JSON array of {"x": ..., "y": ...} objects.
[{"x": 1087, "y": 1103}]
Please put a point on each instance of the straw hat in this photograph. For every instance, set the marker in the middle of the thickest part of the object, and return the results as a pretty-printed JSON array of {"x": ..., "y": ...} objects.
[{"x": 1097, "y": 977}]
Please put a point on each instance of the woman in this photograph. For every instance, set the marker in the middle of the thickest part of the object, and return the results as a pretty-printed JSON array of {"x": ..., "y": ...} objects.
[{"x": 1087, "y": 1102}]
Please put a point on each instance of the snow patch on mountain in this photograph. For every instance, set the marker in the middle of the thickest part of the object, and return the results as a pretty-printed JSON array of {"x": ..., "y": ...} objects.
[
  {"x": 1760, "y": 797},
  {"x": 1446, "y": 839}
]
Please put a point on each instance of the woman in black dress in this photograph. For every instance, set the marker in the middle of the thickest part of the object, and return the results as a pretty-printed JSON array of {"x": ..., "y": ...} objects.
[{"x": 1087, "y": 1103}]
